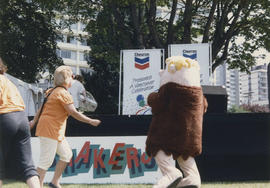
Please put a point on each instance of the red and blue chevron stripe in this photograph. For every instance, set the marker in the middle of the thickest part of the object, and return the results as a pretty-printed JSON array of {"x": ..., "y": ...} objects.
[{"x": 142, "y": 63}]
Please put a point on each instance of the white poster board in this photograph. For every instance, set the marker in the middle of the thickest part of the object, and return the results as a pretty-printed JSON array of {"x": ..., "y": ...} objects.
[
  {"x": 102, "y": 160},
  {"x": 140, "y": 78},
  {"x": 200, "y": 52}
]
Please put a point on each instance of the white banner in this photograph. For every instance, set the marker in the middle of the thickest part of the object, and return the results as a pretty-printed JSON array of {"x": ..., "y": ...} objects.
[
  {"x": 96, "y": 160},
  {"x": 200, "y": 52},
  {"x": 140, "y": 78}
]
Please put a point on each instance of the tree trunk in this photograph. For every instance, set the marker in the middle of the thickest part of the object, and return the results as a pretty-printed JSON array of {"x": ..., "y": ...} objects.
[
  {"x": 209, "y": 22},
  {"x": 222, "y": 37},
  {"x": 120, "y": 23},
  {"x": 170, "y": 34},
  {"x": 138, "y": 40},
  {"x": 152, "y": 25},
  {"x": 187, "y": 21}
]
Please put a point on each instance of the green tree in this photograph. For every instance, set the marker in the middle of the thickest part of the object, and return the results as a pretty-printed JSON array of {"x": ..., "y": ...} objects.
[
  {"x": 28, "y": 36},
  {"x": 127, "y": 24},
  {"x": 238, "y": 109},
  {"x": 135, "y": 25}
]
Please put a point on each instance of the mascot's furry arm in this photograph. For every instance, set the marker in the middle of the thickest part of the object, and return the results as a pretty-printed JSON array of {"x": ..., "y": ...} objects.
[{"x": 158, "y": 100}]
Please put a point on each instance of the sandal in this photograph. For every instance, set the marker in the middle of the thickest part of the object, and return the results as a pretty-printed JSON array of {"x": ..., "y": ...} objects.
[{"x": 52, "y": 185}]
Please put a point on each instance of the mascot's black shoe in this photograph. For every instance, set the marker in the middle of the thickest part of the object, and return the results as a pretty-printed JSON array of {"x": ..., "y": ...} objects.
[
  {"x": 175, "y": 182},
  {"x": 188, "y": 186}
]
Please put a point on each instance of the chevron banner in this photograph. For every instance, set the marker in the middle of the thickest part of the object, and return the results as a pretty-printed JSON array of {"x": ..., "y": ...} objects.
[
  {"x": 140, "y": 78},
  {"x": 200, "y": 52}
]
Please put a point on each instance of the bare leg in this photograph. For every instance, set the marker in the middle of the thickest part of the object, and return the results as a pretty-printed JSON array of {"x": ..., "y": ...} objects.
[
  {"x": 0, "y": 183},
  {"x": 33, "y": 182},
  {"x": 59, "y": 169},
  {"x": 41, "y": 173}
]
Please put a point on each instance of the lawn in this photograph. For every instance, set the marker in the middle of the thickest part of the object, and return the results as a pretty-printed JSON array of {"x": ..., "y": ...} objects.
[{"x": 204, "y": 185}]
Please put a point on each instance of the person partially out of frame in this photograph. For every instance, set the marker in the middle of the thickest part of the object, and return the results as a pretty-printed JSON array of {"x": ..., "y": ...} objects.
[
  {"x": 15, "y": 146},
  {"x": 77, "y": 91},
  {"x": 51, "y": 126}
]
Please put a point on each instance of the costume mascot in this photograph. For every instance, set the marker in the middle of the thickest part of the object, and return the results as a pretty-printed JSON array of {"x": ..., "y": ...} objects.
[{"x": 176, "y": 126}]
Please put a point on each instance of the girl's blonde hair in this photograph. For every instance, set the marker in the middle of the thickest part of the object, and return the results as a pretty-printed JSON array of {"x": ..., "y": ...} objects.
[{"x": 62, "y": 75}]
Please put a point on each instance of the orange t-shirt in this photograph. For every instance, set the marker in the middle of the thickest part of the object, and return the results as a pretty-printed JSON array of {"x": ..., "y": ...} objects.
[
  {"x": 10, "y": 97},
  {"x": 53, "y": 119}
]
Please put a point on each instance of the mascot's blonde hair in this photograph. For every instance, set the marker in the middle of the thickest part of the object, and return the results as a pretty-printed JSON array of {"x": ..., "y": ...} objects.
[
  {"x": 176, "y": 63},
  {"x": 181, "y": 70}
]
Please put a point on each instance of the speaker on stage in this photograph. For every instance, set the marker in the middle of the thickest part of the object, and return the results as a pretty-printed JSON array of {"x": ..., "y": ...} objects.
[{"x": 217, "y": 98}]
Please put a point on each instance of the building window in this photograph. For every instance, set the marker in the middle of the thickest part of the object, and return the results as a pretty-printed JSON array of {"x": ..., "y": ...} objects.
[
  {"x": 83, "y": 42},
  {"x": 74, "y": 69},
  {"x": 64, "y": 38},
  {"x": 74, "y": 26},
  {"x": 263, "y": 84},
  {"x": 71, "y": 40},
  {"x": 86, "y": 71},
  {"x": 68, "y": 54},
  {"x": 73, "y": 55},
  {"x": 58, "y": 53},
  {"x": 82, "y": 56},
  {"x": 61, "y": 39},
  {"x": 65, "y": 54},
  {"x": 82, "y": 26}
]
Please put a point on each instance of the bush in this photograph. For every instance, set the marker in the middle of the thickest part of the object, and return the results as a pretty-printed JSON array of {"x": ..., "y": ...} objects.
[
  {"x": 237, "y": 109},
  {"x": 255, "y": 108},
  {"x": 246, "y": 108}
]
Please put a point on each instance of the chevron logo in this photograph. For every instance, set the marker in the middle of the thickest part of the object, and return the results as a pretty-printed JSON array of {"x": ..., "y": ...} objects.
[
  {"x": 142, "y": 62},
  {"x": 192, "y": 54}
]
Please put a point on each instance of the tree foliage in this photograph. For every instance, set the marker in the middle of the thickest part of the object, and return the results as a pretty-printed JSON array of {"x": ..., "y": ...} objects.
[
  {"x": 27, "y": 39},
  {"x": 235, "y": 29}
]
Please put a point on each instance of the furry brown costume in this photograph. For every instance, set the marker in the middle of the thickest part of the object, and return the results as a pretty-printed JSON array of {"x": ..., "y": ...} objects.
[{"x": 177, "y": 118}]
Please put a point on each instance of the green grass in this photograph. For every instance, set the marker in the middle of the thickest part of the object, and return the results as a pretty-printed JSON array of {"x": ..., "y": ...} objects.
[{"x": 262, "y": 184}]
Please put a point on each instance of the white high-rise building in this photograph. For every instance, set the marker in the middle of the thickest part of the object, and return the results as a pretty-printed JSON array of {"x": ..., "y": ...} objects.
[
  {"x": 253, "y": 87},
  {"x": 73, "y": 48},
  {"x": 243, "y": 88},
  {"x": 230, "y": 80}
]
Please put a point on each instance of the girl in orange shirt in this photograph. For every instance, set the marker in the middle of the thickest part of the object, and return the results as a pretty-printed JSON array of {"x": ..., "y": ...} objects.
[{"x": 51, "y": 125}]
